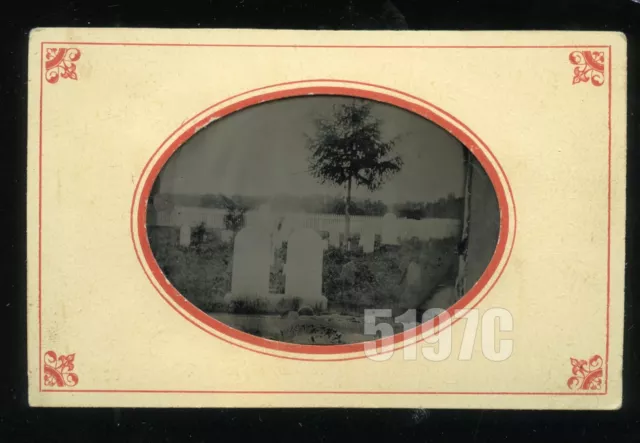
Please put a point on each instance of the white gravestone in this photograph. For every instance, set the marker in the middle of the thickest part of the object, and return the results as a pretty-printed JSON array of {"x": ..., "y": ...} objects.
[
  {"x": 334, "y": 238},
  {"x": 304, "y": 267},
  {"x": 389, "y": 229},
  {"x": 251, "y": 262},
  {"x": 226, "y": 235},
  {"x": 185, "y": 235},
  {"x": 367, "y": 239}
]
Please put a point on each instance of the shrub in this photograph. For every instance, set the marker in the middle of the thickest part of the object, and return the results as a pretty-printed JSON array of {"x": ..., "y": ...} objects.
[
  {"x": 212, "y": 304},
  {"x": 248, "y": 306},
  {"x": 198, "y": 234},
  {"x": 201, "y": 273},
  {"x": 287, "y": 304},
  {"x": 234, "y": 219}
]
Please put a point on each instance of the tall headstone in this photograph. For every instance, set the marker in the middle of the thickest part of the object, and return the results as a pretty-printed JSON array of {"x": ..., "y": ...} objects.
[
  {"x": 185, "y": 235},
  {"x": 389, "y": 229},
  {"x": 367, "y": 239},
  {"x": 334, "y": 237},
  {"x": 251, "y": 262},
  {"x": 304, "y": 267}
]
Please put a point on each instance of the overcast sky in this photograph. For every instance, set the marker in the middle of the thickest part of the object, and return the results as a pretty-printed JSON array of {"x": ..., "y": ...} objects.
[{"x": 261, "y": 151}]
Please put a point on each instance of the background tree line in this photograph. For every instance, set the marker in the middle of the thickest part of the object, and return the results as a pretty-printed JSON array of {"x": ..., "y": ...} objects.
[{"x": 445, "y": 207}]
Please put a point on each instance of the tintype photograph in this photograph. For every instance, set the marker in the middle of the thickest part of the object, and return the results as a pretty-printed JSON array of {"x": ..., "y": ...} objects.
[{"x": 290, "y": 219}]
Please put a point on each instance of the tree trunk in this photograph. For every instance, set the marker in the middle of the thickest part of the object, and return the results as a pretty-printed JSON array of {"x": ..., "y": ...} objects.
[
  {"x": 347, "y": 218},
  {"x": 466, "y": 215}
]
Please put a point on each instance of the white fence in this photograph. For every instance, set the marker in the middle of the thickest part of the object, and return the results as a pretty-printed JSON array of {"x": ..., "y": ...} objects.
[{"x": 214, "y": 218}]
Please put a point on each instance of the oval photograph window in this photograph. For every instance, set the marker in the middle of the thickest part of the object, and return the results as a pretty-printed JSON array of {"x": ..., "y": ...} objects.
[{"x": 291, "y": 219}]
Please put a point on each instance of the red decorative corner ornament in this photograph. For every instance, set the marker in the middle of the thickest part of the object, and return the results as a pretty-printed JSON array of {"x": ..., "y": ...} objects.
[
  {"x": 60, "y": 63},
  {"x": 590, "y": 67},
  {"x": 587, "y": 375},
  {"x": 57, "y": 370}
]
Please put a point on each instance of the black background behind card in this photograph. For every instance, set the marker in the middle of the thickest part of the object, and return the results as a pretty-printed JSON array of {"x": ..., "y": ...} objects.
[{"x": 20, "y": 423}]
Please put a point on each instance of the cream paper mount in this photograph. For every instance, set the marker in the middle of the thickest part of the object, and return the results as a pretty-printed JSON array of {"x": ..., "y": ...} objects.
[{"x": 244, "y": 218}]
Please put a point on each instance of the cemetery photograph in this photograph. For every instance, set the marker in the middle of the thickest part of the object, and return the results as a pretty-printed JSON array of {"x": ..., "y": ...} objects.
[{"x": 289, "y": 219}]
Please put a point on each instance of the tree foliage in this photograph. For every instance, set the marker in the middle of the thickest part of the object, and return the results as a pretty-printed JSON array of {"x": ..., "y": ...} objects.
[
  {"x": 234, "y": 219},
  {"x": 349, "y": 147},
  {"x": 445, "y": 207}
]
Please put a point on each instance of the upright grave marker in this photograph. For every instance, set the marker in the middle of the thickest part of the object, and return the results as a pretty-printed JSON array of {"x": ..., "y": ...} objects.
[
  {"x": 251, "y": 262},
  {"x": 304, "y": 267},
  {"x": 185, "y": 235}
]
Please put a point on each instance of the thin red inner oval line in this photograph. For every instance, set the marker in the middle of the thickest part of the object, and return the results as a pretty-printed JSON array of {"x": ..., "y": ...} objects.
[{"x": 199, "y": 315}]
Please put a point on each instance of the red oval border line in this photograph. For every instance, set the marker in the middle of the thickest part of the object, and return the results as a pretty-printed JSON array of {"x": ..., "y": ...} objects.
[{"x": 292, "y": 89}]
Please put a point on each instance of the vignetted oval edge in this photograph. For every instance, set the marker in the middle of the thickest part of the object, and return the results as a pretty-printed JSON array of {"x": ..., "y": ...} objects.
[{"x": 416, "y": 105}]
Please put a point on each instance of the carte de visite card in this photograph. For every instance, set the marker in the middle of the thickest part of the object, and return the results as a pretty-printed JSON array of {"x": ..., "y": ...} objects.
[{"x": 244, "y": 218}]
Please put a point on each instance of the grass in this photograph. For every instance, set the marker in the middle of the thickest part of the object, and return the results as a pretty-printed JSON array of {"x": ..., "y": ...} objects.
[
  {"x": 352, "y": 281},
  {"x": 247, "y": 306}
]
